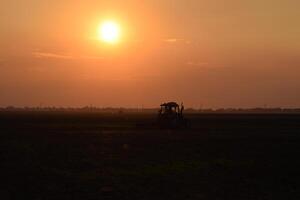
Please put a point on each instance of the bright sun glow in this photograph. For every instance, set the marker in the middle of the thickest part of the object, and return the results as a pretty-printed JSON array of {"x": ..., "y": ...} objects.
[{"x": 109, "y": 32}]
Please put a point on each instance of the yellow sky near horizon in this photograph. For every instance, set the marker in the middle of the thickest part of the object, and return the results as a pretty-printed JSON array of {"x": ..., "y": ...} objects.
[{"x": 206, "y": 53}]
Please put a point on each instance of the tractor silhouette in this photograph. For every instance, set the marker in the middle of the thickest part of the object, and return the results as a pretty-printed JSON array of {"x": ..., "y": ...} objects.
[{"x": 171, "y": 116}]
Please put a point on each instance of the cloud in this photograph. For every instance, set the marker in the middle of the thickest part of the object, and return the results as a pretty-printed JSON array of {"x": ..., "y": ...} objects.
[
  {"x": 197, "y": 63},
  {"x": 64, "y": 56},
  {"x": 175, "y": 40},
  {"x": 51, "y": 55},
  {"x": 171, "y": 40}
]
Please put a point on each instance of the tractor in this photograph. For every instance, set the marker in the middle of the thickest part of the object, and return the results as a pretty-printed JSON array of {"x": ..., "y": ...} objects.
[{"x": 171, "y": 116}]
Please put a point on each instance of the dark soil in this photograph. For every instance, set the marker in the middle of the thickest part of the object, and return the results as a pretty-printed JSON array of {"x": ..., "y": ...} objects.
[{"x": 53, "y": 155}]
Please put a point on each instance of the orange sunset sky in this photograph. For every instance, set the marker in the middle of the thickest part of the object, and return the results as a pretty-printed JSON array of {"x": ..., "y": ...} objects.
[{"x": 209, "y": 53}]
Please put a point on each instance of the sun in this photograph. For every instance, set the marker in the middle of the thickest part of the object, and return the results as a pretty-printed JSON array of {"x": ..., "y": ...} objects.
[{"x": 109, "y": 32}]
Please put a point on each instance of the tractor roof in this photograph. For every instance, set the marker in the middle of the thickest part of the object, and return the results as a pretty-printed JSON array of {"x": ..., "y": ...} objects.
[{"x": 170, "y": 104}]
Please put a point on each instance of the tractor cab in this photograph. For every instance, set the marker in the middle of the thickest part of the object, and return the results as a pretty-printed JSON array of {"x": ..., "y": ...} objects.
[
  {"x": 170, "y": 108},
  {"x": 171, "y": 116}
]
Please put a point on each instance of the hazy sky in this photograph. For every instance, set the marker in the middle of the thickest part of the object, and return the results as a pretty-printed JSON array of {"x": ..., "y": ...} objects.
[{"x": 209, "y": 53}]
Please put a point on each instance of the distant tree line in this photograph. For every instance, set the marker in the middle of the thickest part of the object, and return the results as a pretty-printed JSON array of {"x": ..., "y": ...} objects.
[{"x": 121, "y": 110}]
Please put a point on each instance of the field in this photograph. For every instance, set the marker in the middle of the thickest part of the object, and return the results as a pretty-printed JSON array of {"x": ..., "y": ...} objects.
[{"x": 89, "y": 155}]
